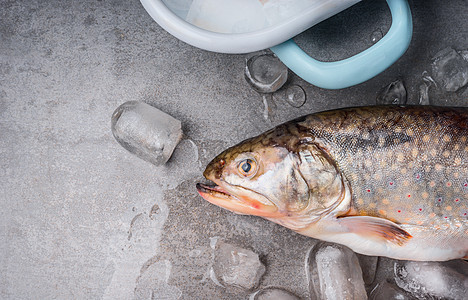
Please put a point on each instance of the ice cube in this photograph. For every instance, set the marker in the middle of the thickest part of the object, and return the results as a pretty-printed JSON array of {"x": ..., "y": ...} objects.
[
  {"x": 273, "y": 294},
  {"x": 388, "y": 291},
  {"x": 450, "y": 70},
  {"x": 265, "y": 73},
  {"x": 394, "y": 93},
  {"x": 334, "y": 273},
  {"x": 146, "y": 131},
  {"x": 237, "y": 267},
  {"x": 431, "y": 279}
]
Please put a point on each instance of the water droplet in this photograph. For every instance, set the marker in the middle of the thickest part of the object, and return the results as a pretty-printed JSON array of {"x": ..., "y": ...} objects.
[
  {"x": 424, "y": 89},
  {"x": 295, "y": 96},
  {"x": 376, "y": 36},
  {"x": 154, "y": 211},
  {"x": 185, "y": 154},
  {"x": 269, "y": 107},
  {"x": 265, "y": 73}
]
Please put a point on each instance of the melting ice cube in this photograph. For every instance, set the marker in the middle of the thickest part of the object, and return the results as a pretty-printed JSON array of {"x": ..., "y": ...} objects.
[
  {"x": 394, "y": 93},
  {"x": 265, "y": 73},
  {"x": 237, "y": 267},
  {"x": 431, "y": 279},
  {"x": 450, "y": 70},
  {"x": 335, "y": 273},
  {"x": 146, "y": 131}
]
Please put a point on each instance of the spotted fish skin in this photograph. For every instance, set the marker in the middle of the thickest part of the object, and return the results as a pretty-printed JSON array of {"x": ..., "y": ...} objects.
[
  {"x": 383, "y": 180},
  {"x": 405, "y": 164}
]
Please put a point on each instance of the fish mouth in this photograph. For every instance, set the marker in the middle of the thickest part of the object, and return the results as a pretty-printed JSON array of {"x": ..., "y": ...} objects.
[
  {"x": 213, "y": 190},
  {"x": 217, "y": 195}
]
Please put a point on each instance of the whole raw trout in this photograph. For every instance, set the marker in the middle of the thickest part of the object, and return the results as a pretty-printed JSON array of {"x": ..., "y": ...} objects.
[{"x": 384, "y": 180}]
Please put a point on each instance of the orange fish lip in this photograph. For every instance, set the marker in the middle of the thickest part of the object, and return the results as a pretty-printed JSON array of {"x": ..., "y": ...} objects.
[{"x": 245, "y": 205}]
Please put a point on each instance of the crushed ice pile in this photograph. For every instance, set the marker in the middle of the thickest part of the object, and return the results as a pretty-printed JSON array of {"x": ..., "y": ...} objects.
[{"x": 146, "y": 131}]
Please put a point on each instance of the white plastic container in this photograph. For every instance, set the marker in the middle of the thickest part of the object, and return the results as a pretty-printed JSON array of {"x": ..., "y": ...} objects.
[{"x": 242, "y": 26}]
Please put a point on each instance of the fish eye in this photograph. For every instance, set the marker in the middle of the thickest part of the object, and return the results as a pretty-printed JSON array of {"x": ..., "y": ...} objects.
[{"x": 247, "y": 167}]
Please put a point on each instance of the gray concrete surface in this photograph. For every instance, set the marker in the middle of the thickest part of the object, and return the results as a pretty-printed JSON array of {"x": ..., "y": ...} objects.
[{"x": 81, "y": 218}]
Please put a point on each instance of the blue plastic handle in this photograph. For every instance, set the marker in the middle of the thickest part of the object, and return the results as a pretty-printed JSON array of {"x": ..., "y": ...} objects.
[{"x": 358, "y": 68}]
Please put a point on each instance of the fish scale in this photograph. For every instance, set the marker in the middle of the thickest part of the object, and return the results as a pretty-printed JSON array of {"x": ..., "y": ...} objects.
[{"x": 418, "y": 174}]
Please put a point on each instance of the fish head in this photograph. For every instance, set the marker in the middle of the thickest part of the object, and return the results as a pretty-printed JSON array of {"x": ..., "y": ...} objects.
[{"x": 286, "y": 179}]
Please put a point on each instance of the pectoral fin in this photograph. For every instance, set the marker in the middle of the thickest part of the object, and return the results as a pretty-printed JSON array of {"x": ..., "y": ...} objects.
[{"x": 375, "y": 228}]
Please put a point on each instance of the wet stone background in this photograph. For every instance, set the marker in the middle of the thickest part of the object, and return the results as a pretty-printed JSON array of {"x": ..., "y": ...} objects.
[{"x": 83, "y": 218}]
